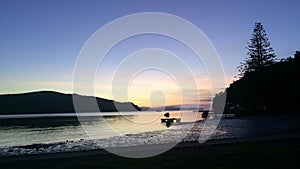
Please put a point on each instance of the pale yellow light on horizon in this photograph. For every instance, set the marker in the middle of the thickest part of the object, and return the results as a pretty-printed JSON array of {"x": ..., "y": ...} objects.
[{"x": 139, "y": 92}]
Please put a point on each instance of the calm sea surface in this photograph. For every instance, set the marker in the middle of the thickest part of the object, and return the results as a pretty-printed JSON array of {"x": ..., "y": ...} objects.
[
  {"x": 20, "y": 130},
  {"x": 51, "y": 133}
]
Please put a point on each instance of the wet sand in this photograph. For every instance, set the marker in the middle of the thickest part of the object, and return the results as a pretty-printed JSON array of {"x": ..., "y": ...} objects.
[{"x": 263, "y": 151}]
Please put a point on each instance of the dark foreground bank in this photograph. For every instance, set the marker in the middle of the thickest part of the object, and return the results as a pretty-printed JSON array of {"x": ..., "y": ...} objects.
[{"x": 257, "y": 153}]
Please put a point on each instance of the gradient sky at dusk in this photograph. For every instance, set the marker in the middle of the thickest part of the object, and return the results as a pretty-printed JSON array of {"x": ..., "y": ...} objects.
[{"x": 41, "y": 40}]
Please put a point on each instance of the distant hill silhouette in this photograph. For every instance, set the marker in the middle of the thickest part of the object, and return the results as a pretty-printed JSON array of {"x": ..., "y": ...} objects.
[
  {"x": 171, "y": 108},
  {"x": 167, "y": 108},
  {"x": 54, "y": 102},
  {"x": 275, "y": 89}
]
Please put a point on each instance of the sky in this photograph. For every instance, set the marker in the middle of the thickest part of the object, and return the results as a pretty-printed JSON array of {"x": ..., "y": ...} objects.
[{"x": 40, "y": 42}]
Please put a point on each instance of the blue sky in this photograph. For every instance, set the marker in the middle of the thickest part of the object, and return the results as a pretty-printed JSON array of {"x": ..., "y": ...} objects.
[{"x": 40, "y": 40}]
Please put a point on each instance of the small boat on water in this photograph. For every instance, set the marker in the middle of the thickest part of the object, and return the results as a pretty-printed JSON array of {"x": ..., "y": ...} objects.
[
  {"x": 167, "y": 114},
  {"x": 204, "y": 114},
  {"x": 169, "y": 121},
  {"x": 172, "y": 120}
]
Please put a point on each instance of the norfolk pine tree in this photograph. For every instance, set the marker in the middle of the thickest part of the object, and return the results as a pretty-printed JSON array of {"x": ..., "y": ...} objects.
[{"x": 260, "y": 53}]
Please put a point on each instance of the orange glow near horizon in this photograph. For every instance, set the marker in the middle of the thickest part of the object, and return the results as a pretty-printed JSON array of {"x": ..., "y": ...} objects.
[
  {"x": 145, "y": 91},
  {"x": 161, "y": 90}
]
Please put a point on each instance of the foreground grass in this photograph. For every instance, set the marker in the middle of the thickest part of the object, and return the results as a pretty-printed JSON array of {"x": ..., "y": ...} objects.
[{"x": 271, "y": 154}]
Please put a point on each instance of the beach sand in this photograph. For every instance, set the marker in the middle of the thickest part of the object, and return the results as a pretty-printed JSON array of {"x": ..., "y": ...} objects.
[{"x": 261, "y": 151}]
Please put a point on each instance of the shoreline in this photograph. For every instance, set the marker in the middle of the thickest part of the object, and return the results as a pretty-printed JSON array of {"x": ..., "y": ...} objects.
[
  {"x": 260, "y": 154},
  {"x": 273, "y": 146},
  {"x": 239, "y": 129},
  {"x": 182, "y": 145}
]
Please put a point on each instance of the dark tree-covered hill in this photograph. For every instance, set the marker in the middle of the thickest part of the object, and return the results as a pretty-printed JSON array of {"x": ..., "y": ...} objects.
[
  {"x": 274, "y": 89},
  {"x": 54, "y": 102}
]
